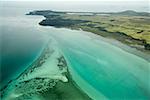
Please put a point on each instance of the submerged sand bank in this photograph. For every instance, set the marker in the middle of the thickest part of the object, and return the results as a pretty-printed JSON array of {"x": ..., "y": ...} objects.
[{"x": 47, "y": 78}]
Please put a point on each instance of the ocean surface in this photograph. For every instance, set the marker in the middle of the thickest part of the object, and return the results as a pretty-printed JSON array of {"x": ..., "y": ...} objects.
[
  {"x": 20, "y": 42},
  {"x": 100, "y": 68}
]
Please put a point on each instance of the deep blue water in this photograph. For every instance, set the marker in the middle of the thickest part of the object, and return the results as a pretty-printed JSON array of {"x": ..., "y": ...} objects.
[{"x": 20, "y": 43}]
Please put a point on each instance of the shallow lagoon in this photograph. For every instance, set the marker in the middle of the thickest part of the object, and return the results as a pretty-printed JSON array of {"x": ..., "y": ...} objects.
[{"x": 102, "y": 67}]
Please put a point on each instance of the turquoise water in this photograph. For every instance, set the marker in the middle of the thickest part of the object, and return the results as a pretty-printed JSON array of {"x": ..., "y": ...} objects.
[
  {"x": 99, "y": 68},
  {"x": 111, "y": 71}
]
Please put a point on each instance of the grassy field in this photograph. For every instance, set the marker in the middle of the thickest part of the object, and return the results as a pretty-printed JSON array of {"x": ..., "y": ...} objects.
[{"x": 137, "y": 27}]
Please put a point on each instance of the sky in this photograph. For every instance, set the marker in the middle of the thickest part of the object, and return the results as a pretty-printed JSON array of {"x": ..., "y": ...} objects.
[
  {"x": 85, "y": 5},
  {"x": 75, "y": 0},
  {"x": 135, "y": 1}
]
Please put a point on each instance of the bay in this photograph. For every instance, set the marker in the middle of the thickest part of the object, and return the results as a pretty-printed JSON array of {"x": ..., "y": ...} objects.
[{"x": 100, "y": 68}]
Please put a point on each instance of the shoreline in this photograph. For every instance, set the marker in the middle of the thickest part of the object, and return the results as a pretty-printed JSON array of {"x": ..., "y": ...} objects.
[
  {"x": 139, "y": 46},
  {"x": 119, "y": 44},
  {"x": 111, "y": 41},
  {"x": 79, "y": 22},
  {"x": 115, "y": 25}
]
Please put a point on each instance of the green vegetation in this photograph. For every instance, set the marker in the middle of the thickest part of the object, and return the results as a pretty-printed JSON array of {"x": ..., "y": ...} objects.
[
  {"x": 137, "y": 27},
  {"x": 129, "y": 27}
]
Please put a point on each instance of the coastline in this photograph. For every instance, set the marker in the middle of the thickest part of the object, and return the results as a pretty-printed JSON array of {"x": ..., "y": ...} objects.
[
  {"x": 122, "y": 26},
  {"x": 119, "y": 36},
  {"x": 86, "y": 23},
  {"x": 119, "y": 44}
]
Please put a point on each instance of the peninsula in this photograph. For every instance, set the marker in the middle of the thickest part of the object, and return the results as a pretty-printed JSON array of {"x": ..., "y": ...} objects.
[{"x": 129, "y": 27}]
